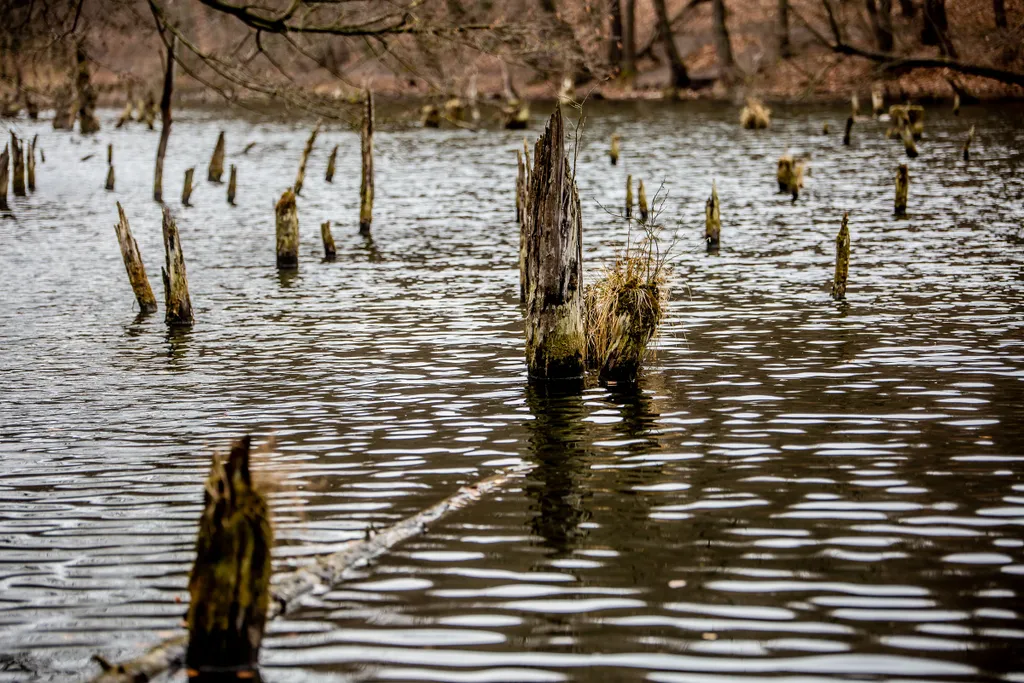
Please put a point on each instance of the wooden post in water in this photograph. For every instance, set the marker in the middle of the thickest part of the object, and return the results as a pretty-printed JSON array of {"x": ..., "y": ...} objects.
[
  {"x": 186, "y": 191},
  {"x": 177, "y": 305},
  {"x": 902, "y": 188},
  {"x": 849, "y": 129},
  {"x": 642, "y": 201},
  {"x": 287, "y": 216},
  {"x": 967, "y": 144},
  {"x": 824, "y": 128},
  {"x": 712, "y": 219},
  {"x": 126, "y": 113},
  {"x": 133, "y": 264},
  {"x": 5, "y": 161},
  {"x": 629, "y": 197},
  {"x": 555, "y": 336},
  {"x": 232, "y": 185},
  {"x": 613, "y": 152},
  {"x": 30, "y": 165},
  {"x": 328, "y": 238},
  {"x": 229, "y": 587},
  {"x": 18, "y": 165},
  {"x": 87, "y": 122},
  {"x": 110, "y": 154},
  {"x": 854, "y": 105},
  {"x": 842, "y": 260},
  {"x": 165, "y": 131},
  {"x": 110, "y": 178},
  {"x": 366, "y": 186},
  {"x": 216, "y": 169},
  {"x": 301, "y": 177},
  {"x": 330, "y": 165}
]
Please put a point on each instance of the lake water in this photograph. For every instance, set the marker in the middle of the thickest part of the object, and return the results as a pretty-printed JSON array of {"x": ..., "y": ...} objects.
[{"x": 798, "y": 489}]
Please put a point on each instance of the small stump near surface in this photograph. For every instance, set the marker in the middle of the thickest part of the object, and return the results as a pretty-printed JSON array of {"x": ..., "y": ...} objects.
[
  {"x": 902, "y": 189},
  {"x": 712, "y": 219},
  {"x": 216, "y": 169}
]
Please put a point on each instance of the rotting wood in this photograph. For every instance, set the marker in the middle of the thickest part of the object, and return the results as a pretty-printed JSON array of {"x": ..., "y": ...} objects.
[
  {"x": 641, "y": 193},
  {"x": 17, "y": 166},
  {"x": 613, "y": 151},
  {"x": 165, "y": 130},
  {"x": 902, "y": 189},
  {"x": 177, "y": 304},
  {"x": 216, "y": 170},
  {"x": 87, "y": 122},
  {"x": 232, "y": 185},
  {"x": 366, "y": 183},
  {"x": 967, "y": 144},
  {"x": 629, "y": 197},
  {"x": 842, "y": 260},
  {"x": 301, "y": 177},
  {"x": 319, "y": 575},
  {"x": 712, "y": 219},
  {"x": 133, "y": 264},
  {"x": 287, "y": 222},
  {"x": 555, "y": 338},
  {"x": 5, "y": 162},
  {"x": 186, "y": 190},
  {"x": 325, "y": 233},
  {"x": 329, "y": 176},
  {"x": 848, "y": 131}
]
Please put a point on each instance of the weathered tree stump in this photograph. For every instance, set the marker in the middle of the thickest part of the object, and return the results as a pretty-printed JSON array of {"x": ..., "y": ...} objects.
[
  {"x": 177, "y": 305},
  {"x": 902, "y": 188},
  {"x": 555, "y": 338},
  {"x": 87, "y": 122},
  {"x": 783, "y": 172},
  {"x": 909, "y": 146},
  {"x": 18, "y": 166},
  {"x": 642, "y": 201},
  {"x": 967, "y": 144},
  {"x": 430, "y": 116},
  {"x": 110, "y": 178},
  {"x": 613, "y": 151},
  {"x": 30, "y": 165},
  {"x": 186, "y": 190},
  {"x": 755, "y": 116},
  {"x": 149, "y": 110},
  {"x": 877, "y": 101},
  {"x": 329, "y": 177},
  {"x": 796, "y": 180},
  {"x": 287, "y": 216},
  {"x": 229, "y": 586},
  {"x": 133, "y": 264},
  {"x": 366, "y": 184},
  {"x": 849, "y": 130},
  {"x": 712, "y": 219},
  {"x": 5, "y": 161},
  {"x": 216, "y": 169},
  {"x": 165, "y": 130},
  {"x": 328, "y": 238},
  {"x": 842, "y": 260},
  {"x": 232, "y": 185},
  {"x": 629, "y": 196},
  {"x": 301, "y": 177},
  {"x": 824, "y": 128}
]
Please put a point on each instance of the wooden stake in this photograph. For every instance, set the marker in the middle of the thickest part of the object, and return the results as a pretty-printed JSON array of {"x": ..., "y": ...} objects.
[
  {"x": 842, "y": 260},
  {"x": 5, "y": 161},
  {"x": 967, "y": 144},
  {"x": 216, "y": 169},
  {"x": 330, "y": 165},
  {"x": 366, "y": 186},
  {"x": 18, "y": 179},
  {"x": 229, "y": 588},
  {"x": 328, "y": 238},
  {"x": 613, "y": 152},
  {"x": 30, "y": 166},
  {"x": 301, "y": 177},
  {"x": 902, "y": 188},
  {"x": 287, "y": 231},
  {"x": 555, "y": 339},
  {"x": 186, "y": 191},
  {"x": 642, "y": 199},
  {"x": 629, "y": 196},
  {"x": 87, "y": 122},
  {"x": 712, "y": 219},
  {"x": 133, "y": 264},
  {"x": 232, "y": 185},
  {"x": 110, "y": 178},
  {"x": 165, "y": 131},
  {"x": 177, "y": 305},
  {"x": 849, "y": 128}
]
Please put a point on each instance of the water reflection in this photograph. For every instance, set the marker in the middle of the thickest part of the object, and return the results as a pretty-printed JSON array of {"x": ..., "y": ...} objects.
[{"x": 178, "y": 338}]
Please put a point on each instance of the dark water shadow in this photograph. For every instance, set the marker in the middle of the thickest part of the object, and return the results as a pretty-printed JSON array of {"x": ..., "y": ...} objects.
[
  {"x": 178, "y": 339},
  {"x": 372, "y": 253},
  {"x": 287, "y": 277}
]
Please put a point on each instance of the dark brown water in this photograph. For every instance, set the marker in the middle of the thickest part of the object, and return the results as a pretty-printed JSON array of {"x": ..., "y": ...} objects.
[{"x": 798, "y": 489}]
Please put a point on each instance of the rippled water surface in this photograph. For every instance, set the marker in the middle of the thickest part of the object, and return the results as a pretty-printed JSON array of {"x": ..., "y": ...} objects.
[{"x": 798, "y": 489}]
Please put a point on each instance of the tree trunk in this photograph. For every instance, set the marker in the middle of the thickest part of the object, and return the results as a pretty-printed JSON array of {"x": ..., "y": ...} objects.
[
  {"x": 615, "y": 39},
  {"x": 86, "y": 95},
  {"x": 216, "y": 169},
  {"x": 936, "y": 27},
  {"x": 133, "y": 264},
  {"x": 366, "y": 186},
  {"x": 782, "y": 29},
  {"x": 680, "y": 77},
  {"x": 301, "y": 177},
  {"x": 723, "y": 46},
  {"x": 165, "y": 130},
  {"x": 555, "y": 338},
  {"x": 999, "y": 9},
  {"x": 177, "y": 304},
  {"x": 907, "y": 9},
  {"x": 629, "y": 40}
]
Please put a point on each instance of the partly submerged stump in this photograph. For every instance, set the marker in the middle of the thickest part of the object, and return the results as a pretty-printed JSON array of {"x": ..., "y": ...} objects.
[
  {"x": 849, "y": 129},
  {"x": 366, "y": 184},
  {"x": 186, "y": 191},
  {"x": 555, "y": 338},
  {"x": 877, "y": 101},
  {"x": 5, "y": 161},
  {"x": 796, "y": 180},
  {"x": 177, "y": 305},
  {"x": 110, "y": 178},
  {"x": 755, "y": 115},
  {"x": 909, "y": 146},
  {"x": 232, "y": 185},
  {"x": 785, "y": 169},
  {"x": 613, "y": 151},
  {"x": 133, "y": 264},
  {"x": 301, "y": 177},
  {"x": 30, "y": 165},
  {"x": 902, "y": 188},
  {"x": 126, "y": 114},
  {"x": 642, "y": 201},
  {"x": 229, "y": 587},
  {"x": 842, "y": 260},
  {"x": 430, "y": 116},
  {"x": 287, "y": 216},
  {"x": 712, "y": 219},
  {"x": 216, "y": 169},
  {"x": 629, "y": 196},
  {"x": 956, "y": 104},
  {"x": 967, "y": 144},
  {"x": 18, "y": 166},
  {"x": 329, "y": 176},
  {"x": 328, "y": 238}
]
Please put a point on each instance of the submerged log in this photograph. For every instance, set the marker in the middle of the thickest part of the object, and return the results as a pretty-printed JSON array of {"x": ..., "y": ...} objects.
[
  {"x": 301, "y": 177},
  {"x": 110, "y": 178},
  {"x": 18, "y": 166},
  {"x": 5, "y": 162},
  {"x": 783, "y": 172},
  {"x": 642, "y": 201},
  {"x": 328, "y": 238},
  {"x": 967, "y": 144},
  {"x": 216, "y": 169},
  {"x": 329, "y": 177},
  {"x": 232, "y": 185},
  {"x": 229, "y": 588},
  {"x": 177, "y": 305},
  {"x": 712, "y": 219},
  {"x": 755, "y": 116},
  {"x": 366, "y": 184},
  {"x": 30, "y": 165},
  {"x": 186, "y": 190},
  {"x": 555, "y": 339},
  {"x": 87, "y": 122},
  {"x": 902, "y": 188},
  {"x": 165, "y": 131},
  {"x": 842, "y": 260},
  {"x": 629, "y": 197},
  {"x": 287, "y": 219},
  {"x": 133, "y": 264},
  {"x": 613, "y": 151},
  {"x": 849, "y": 129}
]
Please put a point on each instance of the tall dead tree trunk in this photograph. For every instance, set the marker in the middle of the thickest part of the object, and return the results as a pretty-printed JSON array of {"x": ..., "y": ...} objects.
[
  {"x": 86, "y": 95},
  {"x": 555, "y": 338},
  {"x": 999, "y": 10},
  {"x": 723, "y": 46},
  {"x": 680, "y": 77},
  {"x": 629, "y": 39},
  {"x": 615, "y": 39},
  {"x": 366, "y": 185},
  {"x": 165, "y": 130},
  {"x": 782, "y": 29},
  {"x": 133, "y": 264}
]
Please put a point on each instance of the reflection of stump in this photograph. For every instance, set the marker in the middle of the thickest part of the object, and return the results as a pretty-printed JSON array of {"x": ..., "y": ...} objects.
[
  {"x": 366, "y": 184},
  {"x": 902, "y": 188},
  {"x": 712, "y": 219},
  {"x": 229, "y": 586},
  {"x": 555, "y": 342},
  {"x": 287, "y": 219},
  {"x": 328, "y": 238},
  {"x": 842, "y": 260},
  {"x": 178, "y": 306},
  {"x": 133, "y": 264},
  {"x": 232, "y": 185},
  {"x": 613, "y": 152},
  {"x": 216, "y": 169}
]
